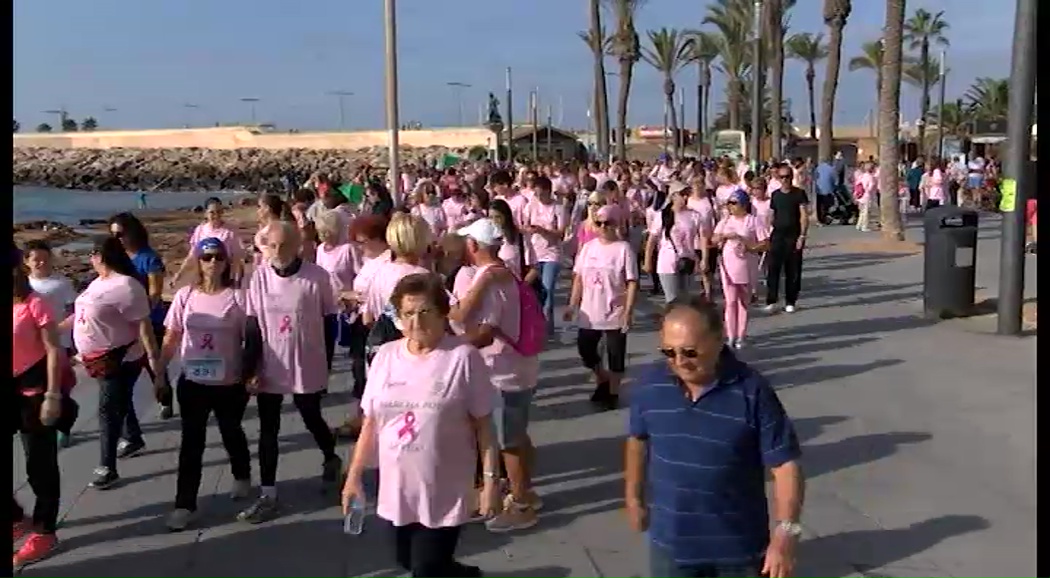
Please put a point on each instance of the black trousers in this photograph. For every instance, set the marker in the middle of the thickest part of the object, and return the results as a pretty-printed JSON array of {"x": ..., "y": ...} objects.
[
  {"x": 823, "y": 204},
  {"x": 40, "y": 444},
  {"x": 588, "y": 343},
  {"x": 784, "y": 258},
  {"x": 357, "y": 333},
  {"x": 197, "y": 401},
  {"x": 309, "y": 406},
  {"x": 425, "y": 552},
  {"x": 166, "y": 398}
]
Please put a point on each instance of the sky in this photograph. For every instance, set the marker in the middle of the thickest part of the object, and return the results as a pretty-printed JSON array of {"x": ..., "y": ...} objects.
[{"x": 137, "y": 64}]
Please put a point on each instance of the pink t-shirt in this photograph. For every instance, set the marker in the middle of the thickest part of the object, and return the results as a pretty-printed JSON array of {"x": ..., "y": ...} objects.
[
  {"x": 212, "y": 328},
  {"x": 763, "y": 211},
  {"x": 550, "y": 216},
  {"x": 722, "y": 194},
  {"x": 291, "y": 313},
  {"x": 706, "y": 213},
  {"x": 387, "y": 275},
  {"x": 30, "y": 317},
  {"x": 262, "y": 245},
  {"x": 499, "y": 308},
  {"x": 434, "y": 215},
  {"x": 738, "y": 266},
  {"x": 455, "y": 210},
  {"x": 107, "y": 315},
  {"x": 230, "y": 239},
  {"x": 604, "y": 269},
  {"x": 683, "y": 241},
  {"x": 773, "y": 185},
  {"x": 339, "y": 262},
  {"x": 422, "y": 407},
  {"x": 510, "y": 253},
  {"x": 584, "y": 235},
  {"x": 936, "y": 190},
  {"x": 517, "y": 207}
]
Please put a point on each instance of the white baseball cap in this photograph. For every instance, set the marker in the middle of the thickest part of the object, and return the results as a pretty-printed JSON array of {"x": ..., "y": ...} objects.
[{"x": 484, "y": 231}]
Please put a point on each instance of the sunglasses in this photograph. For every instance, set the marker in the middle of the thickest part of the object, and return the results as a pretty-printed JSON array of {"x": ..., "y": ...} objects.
[
  {"x": 209, "y": 257},
  {"x": 594, "y": 204},
  {"x": 732, "y": 203},
  {"x": 602, "y": 224},
  {"x": 671, "y": 353}
]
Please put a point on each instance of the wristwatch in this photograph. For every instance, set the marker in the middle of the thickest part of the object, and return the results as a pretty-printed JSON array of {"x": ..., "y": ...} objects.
[{"x": 792, "y": 529}]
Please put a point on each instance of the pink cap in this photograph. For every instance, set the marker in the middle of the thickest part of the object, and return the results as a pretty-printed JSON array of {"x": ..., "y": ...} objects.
[{"x": 609, "y": 213}]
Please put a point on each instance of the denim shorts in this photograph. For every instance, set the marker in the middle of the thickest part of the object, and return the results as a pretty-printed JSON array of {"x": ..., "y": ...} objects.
[{"x": 512, "y": 418}]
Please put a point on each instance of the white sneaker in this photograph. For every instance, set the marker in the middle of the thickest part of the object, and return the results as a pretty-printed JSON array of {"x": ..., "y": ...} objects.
[
  {"x": 240, "y": 490},
  {"x": 790, "y": 309},
  {"x": 179, "y": 520},
  {"x": 771, "y": 308},
  {"x": 738, "y": 344}
]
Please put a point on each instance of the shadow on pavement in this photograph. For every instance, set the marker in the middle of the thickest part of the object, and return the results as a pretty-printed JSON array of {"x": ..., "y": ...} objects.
[
  {"x": 846, "y": 328},
  {"x": 830, "y": 457},
  {"x": 843, "y": 261},
  {"x": 825, "y": 372},
  {"x": 864, "y": 552}
]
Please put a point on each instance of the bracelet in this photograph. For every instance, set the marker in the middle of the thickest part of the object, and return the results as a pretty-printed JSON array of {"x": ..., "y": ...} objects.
[
  {"x": 490, "y": 475},
  {"x": 52, "y": 395}
]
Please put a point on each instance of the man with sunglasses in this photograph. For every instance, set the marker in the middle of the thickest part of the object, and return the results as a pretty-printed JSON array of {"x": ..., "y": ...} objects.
[
  {"x": 790, "y": 208},
  {"x": 703, "y": 432}
]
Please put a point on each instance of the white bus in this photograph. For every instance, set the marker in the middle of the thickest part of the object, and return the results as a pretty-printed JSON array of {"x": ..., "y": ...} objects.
[{"x": 730, "y": 143}]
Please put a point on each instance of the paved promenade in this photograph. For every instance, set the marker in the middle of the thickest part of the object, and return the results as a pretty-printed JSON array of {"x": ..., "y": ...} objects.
[{"x": 919, "y": 451}]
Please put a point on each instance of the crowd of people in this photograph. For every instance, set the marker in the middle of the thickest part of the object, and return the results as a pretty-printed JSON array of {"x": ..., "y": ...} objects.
[{"x": 442, "y": 292}]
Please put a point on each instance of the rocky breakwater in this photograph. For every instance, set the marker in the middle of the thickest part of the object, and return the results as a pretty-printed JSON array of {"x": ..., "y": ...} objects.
[{"x": 195, "y": 169}]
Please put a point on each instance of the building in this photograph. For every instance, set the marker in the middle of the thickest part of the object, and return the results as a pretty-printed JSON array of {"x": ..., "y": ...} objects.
[{"x": 552, "y": 143}]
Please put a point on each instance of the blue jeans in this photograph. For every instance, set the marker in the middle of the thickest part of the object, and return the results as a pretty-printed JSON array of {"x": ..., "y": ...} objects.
[
  {"x": 549, "y": 278},
  {"x": 663, "y": 565},
  {"x": 116, "y": 412}
]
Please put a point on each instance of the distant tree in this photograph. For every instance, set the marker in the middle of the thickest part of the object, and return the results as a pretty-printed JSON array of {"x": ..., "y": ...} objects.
[
  {"x": 69, "y": 125},
  {"x": 17, "y": 126},
  {"x": 88, "y": 124},
  {"x": 43, "y": 127}
]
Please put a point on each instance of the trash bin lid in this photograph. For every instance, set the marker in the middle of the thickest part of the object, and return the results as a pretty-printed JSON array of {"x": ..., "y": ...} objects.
[{"x": 945, "y": 217}]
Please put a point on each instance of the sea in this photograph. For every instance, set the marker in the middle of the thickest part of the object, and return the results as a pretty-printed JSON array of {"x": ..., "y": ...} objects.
[{"x": 70, "y": 206}]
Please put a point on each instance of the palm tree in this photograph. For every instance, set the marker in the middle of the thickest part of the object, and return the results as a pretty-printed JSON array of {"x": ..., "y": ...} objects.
[
  {"x": 43, "y": 127},
  {"x": 732, "y": 22},
  {"x": 89, "y": 124},
  {"x": 870, "y": 58},
  {"x": 953, "y": 118},
  {"x": 626, "y": 48},
  {"x": 836, "y": 13},
  {"x": 667, "y": 52},
  {"x": 721, "y": 121},
  {"x": 889, "y": 117},
  {"x": 777, "y": 17},
  {"x": 921, "y": 31},
  {"x": 704, "y": 51},
  {"x": 988, "y": 98},
  {"x": 810, "y": 49},
  {"x": 69, "y": 125},
  {"x": 598, "y": 43}
]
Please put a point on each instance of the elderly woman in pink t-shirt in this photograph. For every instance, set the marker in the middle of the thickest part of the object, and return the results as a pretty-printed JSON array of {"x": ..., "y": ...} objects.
[
  {"x": 428, "y": 408},
  {"x": 742, "y": 238}
]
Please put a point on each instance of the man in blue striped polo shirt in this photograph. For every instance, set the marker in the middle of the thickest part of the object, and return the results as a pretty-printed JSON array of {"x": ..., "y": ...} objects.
[{"x": 703, "y": 431}]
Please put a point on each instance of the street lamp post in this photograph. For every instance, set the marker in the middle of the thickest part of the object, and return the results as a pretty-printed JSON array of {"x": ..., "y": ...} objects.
[
  {"x": 510, "y": 118},
  {"x": 940, "y": 108},
  {"x": 62, "y": 116},
  {"x": 390, "y": 12},
  {"x": 458, "y": 87},
  {"x": 756, "y": 89},
  {"x": 341, "y": 95},
  {"x": 251, "y": 106},
  {"x": 534, "y": 103},
  {"x": 189, "y": 106},
  {"x": 1018, "y": 168}
]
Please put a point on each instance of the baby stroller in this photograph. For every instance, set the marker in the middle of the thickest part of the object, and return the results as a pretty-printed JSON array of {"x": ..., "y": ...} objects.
[{"x": 842, "y": 209}]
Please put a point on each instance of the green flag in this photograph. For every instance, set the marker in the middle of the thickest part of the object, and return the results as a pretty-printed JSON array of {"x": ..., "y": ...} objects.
[
  {"x": 449, "y": 161},
  {"x": 353, "y": 192}
]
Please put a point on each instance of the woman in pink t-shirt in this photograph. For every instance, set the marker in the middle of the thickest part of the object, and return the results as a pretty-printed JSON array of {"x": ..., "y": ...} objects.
[
  {"x": 428, "y": 410},
  {"x": 409, "y": 239},
  {"x": 427, "y": 206},
  {"x": 213, "y": 227},
  {"x": 38, "y": 361},
  {"x": 113, "y": 333},
  {"x": 702, "y": 203},
  {"x": 205, "y": 328},
  {"x": 673, "y": 239},
  {"x": 604, "y": 289},
  {"x": 333, "y": 255},
  {"x": 271, "y": 208},
  {"x": 742, "y": 238}
]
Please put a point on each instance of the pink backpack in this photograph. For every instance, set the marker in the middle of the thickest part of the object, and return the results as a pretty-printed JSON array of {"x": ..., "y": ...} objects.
[
  {"x": 533, "y": 325},
  {"x": 858, "y": 190}
]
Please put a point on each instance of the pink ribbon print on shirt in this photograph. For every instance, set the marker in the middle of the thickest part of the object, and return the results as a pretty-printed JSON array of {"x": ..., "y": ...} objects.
[
  {"x": 407, "y": 432},
  {"x": 286, "y": 324},
  {"x": 206, "y": 342}
]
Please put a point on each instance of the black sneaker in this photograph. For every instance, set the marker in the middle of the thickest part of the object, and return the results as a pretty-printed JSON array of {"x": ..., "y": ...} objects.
[
  {"x": 105, "y": 478},
  {"x": 461, "y": 570},
  {"x": 167, "y": 412},
  {"x": 263, "y": 509},
  {"x": 331, "y": 472},
  {"x": 127, "y": 449},
  {"x": 609, "y": 403},
  {"x": 600, "y": 392}
]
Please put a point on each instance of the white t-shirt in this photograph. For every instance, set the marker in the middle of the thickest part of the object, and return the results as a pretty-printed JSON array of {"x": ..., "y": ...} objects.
[{"x": 57, "y": 290}]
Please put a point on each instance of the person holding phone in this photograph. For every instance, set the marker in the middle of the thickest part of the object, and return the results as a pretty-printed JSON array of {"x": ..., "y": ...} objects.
[{"x": 604, "y": 289}]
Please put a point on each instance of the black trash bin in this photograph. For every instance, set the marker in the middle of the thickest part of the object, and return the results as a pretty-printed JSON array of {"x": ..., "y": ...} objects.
[{"x": 950, "y": 262}]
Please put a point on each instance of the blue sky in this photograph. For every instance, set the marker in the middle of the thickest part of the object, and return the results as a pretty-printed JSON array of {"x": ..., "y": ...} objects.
[{"x": 148, "y": 58}]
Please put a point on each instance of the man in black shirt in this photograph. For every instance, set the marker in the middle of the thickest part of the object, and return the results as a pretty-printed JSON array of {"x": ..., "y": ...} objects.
[{"x": 790, "y": 206}]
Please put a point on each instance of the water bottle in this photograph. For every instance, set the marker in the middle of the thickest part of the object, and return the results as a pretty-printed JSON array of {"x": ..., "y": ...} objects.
[{"x": 354, "y": 522}]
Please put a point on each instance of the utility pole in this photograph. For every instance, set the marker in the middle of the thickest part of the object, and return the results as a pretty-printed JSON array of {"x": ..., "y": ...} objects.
[
  {"x": 940, "y": 107},
  {"x": 341, "y": 96},
  {"x": 251, "y": 107},
  {"x": 756, "y": 90},
  {"x": 550, "y": 138},
  {"x": 534, "y": 117},
  {"x": 680, "y": 137},
  {"x": 1018, "y": 168},
  {"x": 390, "y": 21},
  {"x": 510, "y": 118},
  {"x": 190, "y": 106},
  {"x": 700, "y": 128},
  {"x": 667, "y": 112},
  {"x": 458, "y": 87}
]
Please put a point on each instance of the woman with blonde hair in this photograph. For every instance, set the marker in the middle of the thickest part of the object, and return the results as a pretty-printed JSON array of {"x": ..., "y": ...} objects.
[{"x": 427, "y": 206}]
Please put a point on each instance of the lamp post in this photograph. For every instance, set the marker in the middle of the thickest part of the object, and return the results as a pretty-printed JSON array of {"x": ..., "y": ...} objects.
[
  {"x": 756, "y": 89},
  {"x": 534, "y": 103},
  {"x": 510, "y": 118},
  {"x": 390, "y": 21},
  {"x": 458, "y": 87},
  {"x": 251, "y": 106},
  {"x": 188, "y": 106},
  {"x": 341, "y": 96},
  {"x": 943, "y": 73}
]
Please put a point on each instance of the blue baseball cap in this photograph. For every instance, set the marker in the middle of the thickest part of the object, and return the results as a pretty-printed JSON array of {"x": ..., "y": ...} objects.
[
  {"x": 210, "y": 244},
  {"x": 740, "y": 197}
]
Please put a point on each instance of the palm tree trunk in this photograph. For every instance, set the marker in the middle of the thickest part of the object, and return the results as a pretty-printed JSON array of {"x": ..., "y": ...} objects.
[
  {"x": 733, "y": 104},
  {"x": 601, "y": 90},
  {"x": 777, "y": 70},
  {"x": 831, "y": 86},
  {"x": 810, "y": 81},
  {"x": 889, "y": 114},
  {"x": 626, "y": 72},
  {"x": 924, "y": 103},
  {"x": 669, "y": 89},
  {"x": 700, "y": 109},
  {"x": 707, "y": 96}
]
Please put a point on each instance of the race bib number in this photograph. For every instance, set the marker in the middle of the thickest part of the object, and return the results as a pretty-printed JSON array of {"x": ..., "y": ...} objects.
[{"x": 205, "y": 369}]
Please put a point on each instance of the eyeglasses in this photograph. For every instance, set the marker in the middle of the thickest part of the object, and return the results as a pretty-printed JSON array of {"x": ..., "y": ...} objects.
[
  {"x": 594, "y": 204},
  {"x": 405, "y": 315},
  {"x": 209, "y": 257},
  {"x": 732, "y": 203},
  {"x": 672, "y": 353},
  {"x": 602, "y": 224}
]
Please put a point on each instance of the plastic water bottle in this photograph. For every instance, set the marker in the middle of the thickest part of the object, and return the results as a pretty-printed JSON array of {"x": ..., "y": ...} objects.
[{"x": 354, "y": 522}]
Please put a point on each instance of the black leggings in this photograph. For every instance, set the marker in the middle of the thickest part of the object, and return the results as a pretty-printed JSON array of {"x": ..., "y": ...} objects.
[
  {"x": 40, "y": 443},
  {"x": 357, "y": 335},
  {"x": 425, "y": 552},
  {"x": 197, "y": 401},
  {"x": 588, "y": 342},
  {"x": 309, "y": 406}
]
